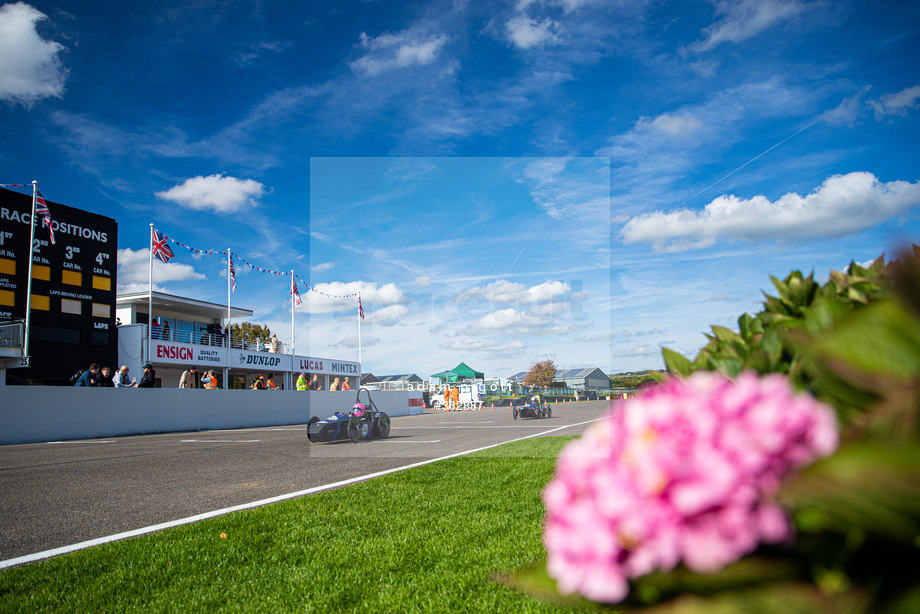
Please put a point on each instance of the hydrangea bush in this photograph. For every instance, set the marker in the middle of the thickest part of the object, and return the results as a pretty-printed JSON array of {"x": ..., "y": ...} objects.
[
  {"x": 686, "y": 473},
  {"x": 779, "y": 470}
]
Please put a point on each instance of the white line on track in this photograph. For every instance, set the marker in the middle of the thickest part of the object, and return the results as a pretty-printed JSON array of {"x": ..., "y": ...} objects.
[
  {"x": 410, "y": 441},
  {"x": 460, "y": 426},
  {"x": 219, "y": 441},
  {"x": 31, "y": 558},
  {"x": 82, "y": 441}
]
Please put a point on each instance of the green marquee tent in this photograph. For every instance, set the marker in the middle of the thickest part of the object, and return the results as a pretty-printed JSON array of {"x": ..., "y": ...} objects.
[{"x": 461, "y": 371}]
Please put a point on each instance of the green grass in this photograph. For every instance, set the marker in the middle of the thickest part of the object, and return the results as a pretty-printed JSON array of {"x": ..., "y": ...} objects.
[{"x": 428, "y": 539}]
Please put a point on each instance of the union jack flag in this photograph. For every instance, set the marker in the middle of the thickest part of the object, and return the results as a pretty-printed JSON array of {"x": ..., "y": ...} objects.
[
  {"x": 360, "y": 308},
  {"x": 161, "y": 247},
  {"x": 41, "y": 208},
  {"x": 232, "y": 276},
  {"x": 295, "y": 292}
]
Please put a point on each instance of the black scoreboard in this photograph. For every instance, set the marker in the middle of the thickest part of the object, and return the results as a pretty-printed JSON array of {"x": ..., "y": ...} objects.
[{"x": 73, "y": 287}]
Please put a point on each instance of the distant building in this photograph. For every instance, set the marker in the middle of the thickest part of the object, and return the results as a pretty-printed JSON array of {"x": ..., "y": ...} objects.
[{"x": 586, "y": 378}]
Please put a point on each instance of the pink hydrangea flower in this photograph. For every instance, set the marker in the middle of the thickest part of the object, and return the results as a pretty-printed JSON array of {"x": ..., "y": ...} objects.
[{"x": 685, "y": 473}]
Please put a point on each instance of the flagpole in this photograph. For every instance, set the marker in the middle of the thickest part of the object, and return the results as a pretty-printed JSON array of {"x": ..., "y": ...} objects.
[
  {"x": 150, "y": 295},
  {"x": 25, "y": 343},
  {"x": 229, "y": 288},
  {"x": 359, "y": 331},
  {"x": 292, "y": 312},
  {"x": 229, "y": 328}
]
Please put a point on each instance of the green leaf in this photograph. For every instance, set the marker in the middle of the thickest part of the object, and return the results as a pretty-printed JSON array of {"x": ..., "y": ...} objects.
[{"x": 676, "y": 363}]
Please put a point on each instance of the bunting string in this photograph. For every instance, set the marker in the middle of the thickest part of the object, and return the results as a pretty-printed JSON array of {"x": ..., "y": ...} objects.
[{"x": 235, "y": 256}]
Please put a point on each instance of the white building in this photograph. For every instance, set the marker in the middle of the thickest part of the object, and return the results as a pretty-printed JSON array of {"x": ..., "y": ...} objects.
[{"x": 194, "y": 338}]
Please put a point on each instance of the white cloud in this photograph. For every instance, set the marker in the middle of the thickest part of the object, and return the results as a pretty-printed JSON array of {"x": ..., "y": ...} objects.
[
  {"x": 424, "y": 280},
  {"x": 512, "y": 322},
  {"x": 343, "y": 296},
  {"x": 842, "y": 205},
  {"x": 134, "y": 270},
  {"x": 896, "y": 104},
  {"x": 389, "y": 51},
  {"x": 507, "y": 292},
  {"x": 30, "y": 68},
  {"x": 746, "y": 19},
  {"x": 847, "y": 112},
  {"x": 323, "y": 266},
  {"x": 215, "y": 193},
  {"x": 525, "y": 32},
  {"x": 684, "y": 125},
  {"x": 390, "y": 315},
  {"x": 484, "y": 345}
]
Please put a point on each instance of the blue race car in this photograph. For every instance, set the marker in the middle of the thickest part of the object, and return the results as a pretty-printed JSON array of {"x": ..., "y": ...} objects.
[
  {"x": 362, "y": 423},
  {"x": 534, "y": 407}
]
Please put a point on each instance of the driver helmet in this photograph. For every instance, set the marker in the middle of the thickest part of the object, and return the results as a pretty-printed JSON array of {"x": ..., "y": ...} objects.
[{"x": 358, "y": 409}]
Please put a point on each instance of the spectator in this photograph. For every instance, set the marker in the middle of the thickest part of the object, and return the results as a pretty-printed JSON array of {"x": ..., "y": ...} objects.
[
  {"x": 121, "y": 378},
  {"x": 88, "y": 378},
  {"x": 164, "y": 330},
  {"x": 104, "y": 379},
  {"x": 187, "y": 379},
  {"x": 275, "y": 344},
  {"x": 210, "y": 381},
  {"x": 335, "y": 384},
  {"x": 258, "y": 383},
  {"x": 270, "y": 382},
  {"x": 302, "y": 382},
  {"x": 154, "y": 329},
  {"x": 314, "y": 383},
  {"x": 345, "y": 385},
  {"x": 149, "y": 379}
]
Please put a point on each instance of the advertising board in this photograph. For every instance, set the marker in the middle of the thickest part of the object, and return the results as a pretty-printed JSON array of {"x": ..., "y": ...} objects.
[{"x": 73, "y": 286}]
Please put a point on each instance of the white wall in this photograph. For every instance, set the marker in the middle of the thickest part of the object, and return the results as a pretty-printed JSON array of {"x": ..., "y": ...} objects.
[{"x": 31, "y": 414}]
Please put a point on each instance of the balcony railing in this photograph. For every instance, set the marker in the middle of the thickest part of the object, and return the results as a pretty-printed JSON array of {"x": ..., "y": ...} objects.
[
  {"x": 213, "y": 340},
  {"x": 11, "y": 334}
]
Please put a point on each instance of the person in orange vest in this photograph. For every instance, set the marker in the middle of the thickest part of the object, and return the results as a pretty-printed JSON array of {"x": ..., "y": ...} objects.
[
  {"x": 345, "y": 385},
  {"x": 455, "y": 397},
  {"x": 257, "y": 383},
  {"x": 447, "y": 398},
  {"x": 270, "y": 382},
  {"x": 335, "y": 384},
  {"x": 209, "y": 381}
]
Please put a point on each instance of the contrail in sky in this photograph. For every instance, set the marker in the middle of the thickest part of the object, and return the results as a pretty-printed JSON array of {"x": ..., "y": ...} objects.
[
  {"x": 515, "y": 261},
  {"x": 752, "y": 159}
]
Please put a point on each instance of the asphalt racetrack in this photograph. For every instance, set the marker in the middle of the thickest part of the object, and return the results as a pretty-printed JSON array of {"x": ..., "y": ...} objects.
[{"x": 57, "y": 494}]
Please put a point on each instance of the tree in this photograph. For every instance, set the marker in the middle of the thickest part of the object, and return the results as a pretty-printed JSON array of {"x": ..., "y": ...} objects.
[
  {"x": 541, "y": 373},
  {"x": 250, "y": 333}
]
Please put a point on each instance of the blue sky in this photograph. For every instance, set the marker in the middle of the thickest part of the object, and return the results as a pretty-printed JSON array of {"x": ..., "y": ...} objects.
[{"x": 503, "y": 182}]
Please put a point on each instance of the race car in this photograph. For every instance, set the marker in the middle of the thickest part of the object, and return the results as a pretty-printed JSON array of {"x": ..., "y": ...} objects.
[
  {"x": 363, "y": 422},
  {"x": 534, "y": 407}
]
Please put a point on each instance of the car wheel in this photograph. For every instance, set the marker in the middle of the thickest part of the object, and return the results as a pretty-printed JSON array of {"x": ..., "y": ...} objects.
[
  {"x": 383, "y": 425},
  {"x": 354, "y": 429},
  {"x": 312, "y": 436},
  {"x": 514, "y": 412}
]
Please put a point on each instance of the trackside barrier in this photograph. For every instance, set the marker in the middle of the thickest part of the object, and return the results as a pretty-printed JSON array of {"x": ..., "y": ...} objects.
[{"x": 30, "y": 414}]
